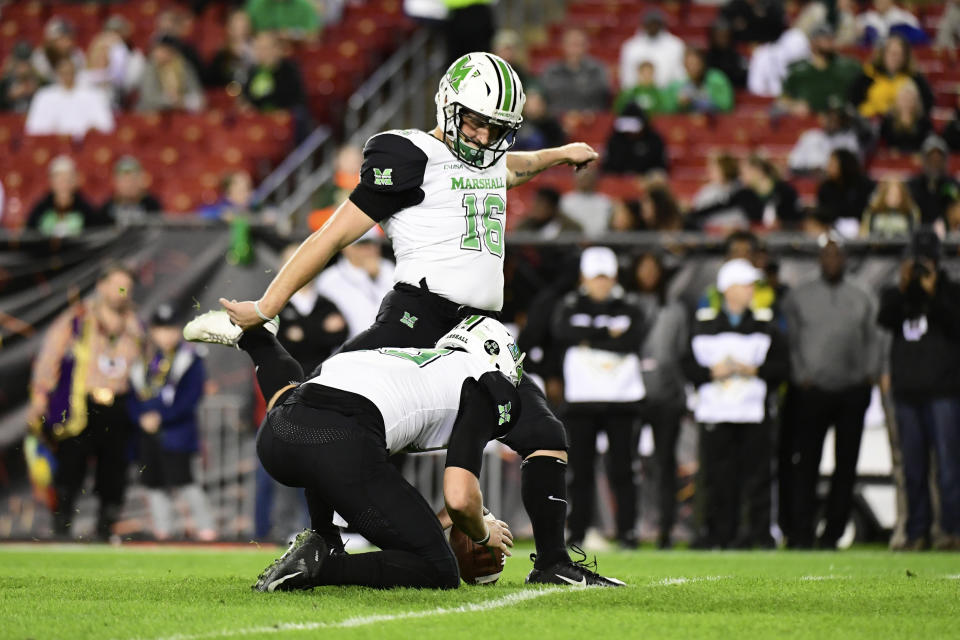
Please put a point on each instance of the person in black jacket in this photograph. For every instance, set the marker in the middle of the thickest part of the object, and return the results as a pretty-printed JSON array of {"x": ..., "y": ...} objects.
[
  {"x": 923, "y": 312},
  {"x": 934, "y": 189},
  {"x": 735, "y": 357},
  {"x": 275, "y": 83},
  {"x": 63, "y": 211},
  {"x": 602, "y": 330},
  {"x": 634, "y": 146}
]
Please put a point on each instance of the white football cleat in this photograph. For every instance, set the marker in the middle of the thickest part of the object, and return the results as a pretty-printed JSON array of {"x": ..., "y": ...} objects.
[{"x": 216, "y": 327}]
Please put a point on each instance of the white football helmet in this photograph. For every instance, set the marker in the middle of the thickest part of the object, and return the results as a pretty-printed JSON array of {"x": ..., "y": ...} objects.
[
  {"x": 485, "y": 85},
  {"x": 485, "y": 337}
]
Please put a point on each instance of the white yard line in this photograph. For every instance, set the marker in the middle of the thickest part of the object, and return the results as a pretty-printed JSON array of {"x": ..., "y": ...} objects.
[
  {"x": 360, "y": 621},
  {"x": 666, "y": 582}
]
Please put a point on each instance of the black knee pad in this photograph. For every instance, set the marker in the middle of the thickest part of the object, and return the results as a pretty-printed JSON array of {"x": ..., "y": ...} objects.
[{"x": 538, "y": 427}]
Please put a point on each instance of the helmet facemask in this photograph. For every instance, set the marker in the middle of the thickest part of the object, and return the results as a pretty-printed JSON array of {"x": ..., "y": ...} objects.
[{"x": 501, "y": 138}]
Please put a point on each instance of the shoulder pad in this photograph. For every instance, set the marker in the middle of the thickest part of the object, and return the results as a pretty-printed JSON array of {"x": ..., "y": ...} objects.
[
  {"x": 763, "y": 315},
  {"x": 706, "y": 314}
]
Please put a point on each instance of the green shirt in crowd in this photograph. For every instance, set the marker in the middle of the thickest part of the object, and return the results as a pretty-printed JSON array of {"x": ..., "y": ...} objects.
[
  {"x": 283, "y": 15},
  {"x": 816, "y": 86},
  {"x": 715, "y": 93},
  {"x": 647, "y": 98}
]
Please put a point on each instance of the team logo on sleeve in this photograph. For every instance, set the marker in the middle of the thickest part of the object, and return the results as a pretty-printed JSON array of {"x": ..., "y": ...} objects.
[
  {"x": 504, "y": 410},
  {"x": 491, "y": 347},
  {"x": 383, "y": 178},
  {"x": 408, "y": 319}
]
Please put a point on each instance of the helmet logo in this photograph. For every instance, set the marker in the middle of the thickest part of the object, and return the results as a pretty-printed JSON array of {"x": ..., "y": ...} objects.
[
  {"x": 458, "y": 72},
  {"x": 491, "y": 347}
]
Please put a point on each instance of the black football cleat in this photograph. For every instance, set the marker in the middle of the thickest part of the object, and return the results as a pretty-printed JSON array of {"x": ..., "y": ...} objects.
[
  {"x": 578, "y": 573},
  {"x": 298, "y": 568}
]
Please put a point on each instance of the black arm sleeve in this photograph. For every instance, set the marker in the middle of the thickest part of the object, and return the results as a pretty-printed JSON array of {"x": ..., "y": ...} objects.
[
  {"x": 776, "y": 366},
  {"x": 489, "y": 407},
  {"x": 390, "y": 177}
]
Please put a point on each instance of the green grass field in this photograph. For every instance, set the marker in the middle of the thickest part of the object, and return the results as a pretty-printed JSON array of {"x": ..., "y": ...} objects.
[{"x": 178, "y": 594}]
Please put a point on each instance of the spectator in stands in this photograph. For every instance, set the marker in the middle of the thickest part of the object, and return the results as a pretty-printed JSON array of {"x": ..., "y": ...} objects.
[
  {"x": 951, "y": 132},
  {"x": 127, "y": 62},
  {"x": 665, "y": 403},
  {"x": 626, "y": 216},
  {"x": 169, "y": 81},
  {"x": 812, "y": 84},
  {"x": 545, "y": 217},
  {"x": 601, "y": 330},
  {"x": 645, "y": 94},
  {"x": 541, "y": 129},
  {"x": 948, "y": 32},
  {"x": 722, "y": 54},
  {"x": 58, "y": 43},
  {"x": 923, "y": 313},
  {"x": 703, "y": 91},
  {"x": 835, "y": 358},
  {"x": 578, "y": 82},
  {"x": 659, "y": 210},
  {"x": 175, "y": 26},
  {"x": 98, "y": 74},
  {"x": 130, "y": 202},
  {"x": 952, "y": 217},
  {"x": 875, "y": 91},
  {"x": 312, "y": 327},
  {"x": 358, "y": 281},
  {"x": 63, "y": 211},
  {"x": 19, "y": 81},
  {"x": 755, "y": 20},
  {"x": 78, "y": 396},
  {"x": 634, "y": 146},
  {"x": 274, "y": 82},
  {"x": 812, "y": 151},
  {"x": 236, "y": 198},
  {"x": 66, "y": 108},
  {"x": 291, "y": 19},
  {"x": 656, "y": 45},
  {"x": 508, "y": 44},
  {"x": 723, "y": 203},
  {"x": 934, "y": 189},
  {"x": 847, "y": 33},
  {"x": 167, "y": 384},
  {"x": 585, "y": 205},
  {"x": 231, "y": 63},
  {"x": 469, "y": 26},
  {"x": 843, "y": 195},
  {"x": 777, "y": 199},
  {"x": 770, "y": 63},
  {"x": 735, "y": 356},
  {"x": 906, "y": 127},
  {"x": 886, "y": 18},
  {"x": 891, "y": 211}
]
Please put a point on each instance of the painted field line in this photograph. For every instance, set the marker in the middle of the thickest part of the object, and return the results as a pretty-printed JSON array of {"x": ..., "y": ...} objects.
[
  {"x": 667, "y": 582},
  {"x": 361, "y": 621}
]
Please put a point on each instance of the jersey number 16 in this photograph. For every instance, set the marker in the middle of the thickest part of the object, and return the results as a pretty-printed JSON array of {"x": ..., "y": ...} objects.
[{"x": 484, "y": 224}]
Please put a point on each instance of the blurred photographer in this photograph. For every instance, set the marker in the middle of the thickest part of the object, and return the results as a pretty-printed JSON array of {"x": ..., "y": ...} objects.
[{"x": 923, "y": 312}]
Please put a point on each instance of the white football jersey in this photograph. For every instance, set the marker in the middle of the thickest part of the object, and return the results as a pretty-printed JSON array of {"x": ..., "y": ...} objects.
[
  {"x": 454, "y": 235},
  {"x": 416, "y": 390}
]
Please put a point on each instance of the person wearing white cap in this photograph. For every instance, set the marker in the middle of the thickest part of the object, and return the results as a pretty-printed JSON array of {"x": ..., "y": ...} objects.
[
  {"x": 736, "y": 356},
  {"x": 602, "y": 329}
]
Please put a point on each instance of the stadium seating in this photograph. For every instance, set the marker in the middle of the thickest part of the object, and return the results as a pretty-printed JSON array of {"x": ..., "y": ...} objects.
[
  {"x": 186, "y": 154},
  {"x": 692, "y": 138}
]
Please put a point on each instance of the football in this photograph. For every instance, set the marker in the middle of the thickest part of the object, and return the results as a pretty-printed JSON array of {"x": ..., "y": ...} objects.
[{"x": 478, "y": 564}]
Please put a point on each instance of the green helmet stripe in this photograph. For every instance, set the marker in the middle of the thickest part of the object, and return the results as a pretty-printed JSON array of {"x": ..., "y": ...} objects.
[{"x": 508, "y": 84}]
